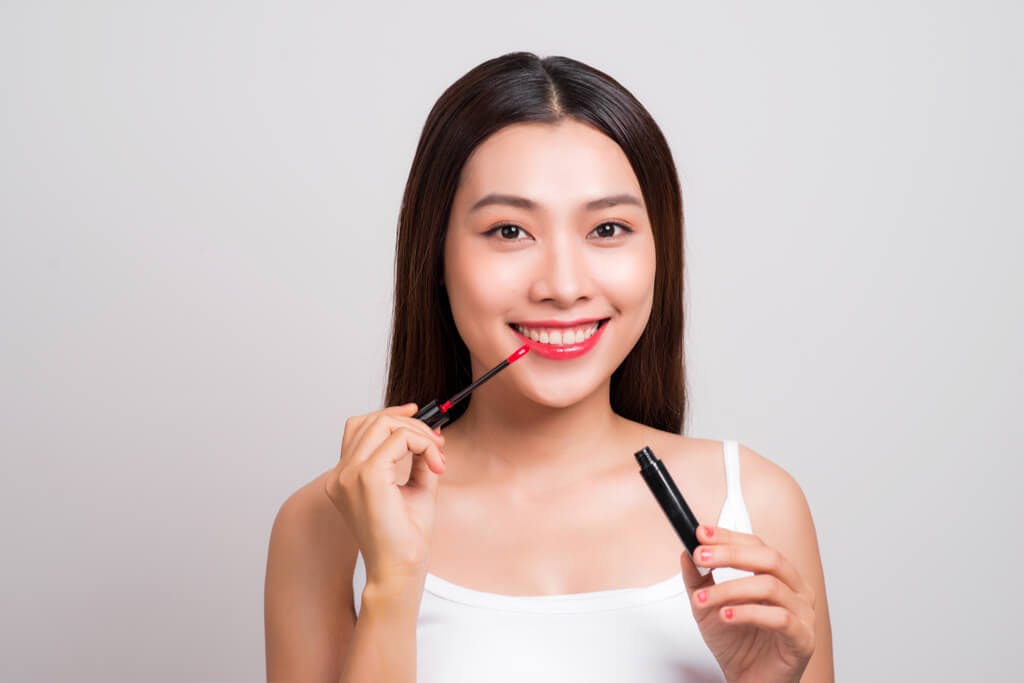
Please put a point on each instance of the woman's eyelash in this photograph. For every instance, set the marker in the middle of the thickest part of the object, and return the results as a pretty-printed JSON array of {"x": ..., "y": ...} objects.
[
  {"x": 624, "y": 228},
  {"x": 497, "y": 228}
]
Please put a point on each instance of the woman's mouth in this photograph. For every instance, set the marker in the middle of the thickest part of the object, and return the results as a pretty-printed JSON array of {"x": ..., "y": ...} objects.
[{"x": 561, "y": 343}]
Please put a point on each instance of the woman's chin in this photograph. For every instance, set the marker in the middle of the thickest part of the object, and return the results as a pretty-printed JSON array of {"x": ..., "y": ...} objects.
[{"x": 557, "y": 396}]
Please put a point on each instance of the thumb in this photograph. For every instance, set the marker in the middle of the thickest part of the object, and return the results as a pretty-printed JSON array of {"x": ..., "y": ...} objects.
[
  {"x": 692, "y": 573},
  {"x": 421, "y": 476}
]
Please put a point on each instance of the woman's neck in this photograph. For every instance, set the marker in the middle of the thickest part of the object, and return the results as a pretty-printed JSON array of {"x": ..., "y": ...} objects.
[{"x": 508, "y": 439}]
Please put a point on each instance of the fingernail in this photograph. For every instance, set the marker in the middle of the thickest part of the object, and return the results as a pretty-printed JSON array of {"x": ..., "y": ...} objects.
[
  {"x": 709, "y": 531},
  {"x": 702, "y": 595},
  {"x": 705, "y": 554},
  {"x": 728, "y": 612}
]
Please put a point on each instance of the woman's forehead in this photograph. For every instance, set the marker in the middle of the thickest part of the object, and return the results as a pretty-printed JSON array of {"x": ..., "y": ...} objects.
[{"x": 554, "y": 165}]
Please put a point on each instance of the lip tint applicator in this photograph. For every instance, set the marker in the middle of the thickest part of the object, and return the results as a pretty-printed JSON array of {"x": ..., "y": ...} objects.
[
  {"x": 672, "y": 502},
  {"x": 435, "y": 415}
]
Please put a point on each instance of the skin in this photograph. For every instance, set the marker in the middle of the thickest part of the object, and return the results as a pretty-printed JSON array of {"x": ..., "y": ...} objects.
[{"x": 540, "y": 442}]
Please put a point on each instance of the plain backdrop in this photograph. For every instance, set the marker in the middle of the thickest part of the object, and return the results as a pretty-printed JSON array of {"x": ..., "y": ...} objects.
[{"x": 198, "y": 205}]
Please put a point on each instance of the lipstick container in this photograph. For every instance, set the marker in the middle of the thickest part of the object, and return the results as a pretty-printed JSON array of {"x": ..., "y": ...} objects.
[{"x": 671, "y": 501}]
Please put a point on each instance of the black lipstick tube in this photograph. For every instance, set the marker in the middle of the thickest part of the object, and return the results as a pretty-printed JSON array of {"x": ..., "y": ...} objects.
[
  {"x": 432, "y": 415},
  {"x": 671, "y": 501},
  {"x": 435, "y": 413}
]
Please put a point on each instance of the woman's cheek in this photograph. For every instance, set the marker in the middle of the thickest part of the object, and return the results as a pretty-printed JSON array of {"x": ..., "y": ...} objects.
[
  {"x": 507, "y": 278},
  {"x": 480, "y": 291},
  {"x": 628, "y": 279}
]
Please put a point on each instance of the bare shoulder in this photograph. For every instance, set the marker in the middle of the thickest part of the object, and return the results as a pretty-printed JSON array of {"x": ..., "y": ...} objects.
[
  {"x": 781, "y": 517},
  {"x": 775, "y": 502},
  {"x": 309, "y": 520},
  {"x": 696, "y": 465},
  {"x": 310, "y": 529},
  {"x": 308, "y": 602},
  {"x": 777, "y": 505},
  {"x": 680, "y": 450},
  {"x": 778, "y": 509}
]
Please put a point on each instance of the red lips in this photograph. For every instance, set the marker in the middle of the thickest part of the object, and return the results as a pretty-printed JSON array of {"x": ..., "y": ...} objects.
[{"x": 563, "y": 351}]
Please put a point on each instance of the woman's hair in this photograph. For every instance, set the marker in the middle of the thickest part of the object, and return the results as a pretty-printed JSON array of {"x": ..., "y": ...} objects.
[{"x": 427, "y": 358}]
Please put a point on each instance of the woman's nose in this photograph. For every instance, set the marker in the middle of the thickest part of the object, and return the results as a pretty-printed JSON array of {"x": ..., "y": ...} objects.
[{"x": 562, "y": 274}]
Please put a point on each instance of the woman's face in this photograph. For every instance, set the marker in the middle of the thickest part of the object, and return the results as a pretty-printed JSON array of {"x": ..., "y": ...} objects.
[{"x": 548, "y": 228}]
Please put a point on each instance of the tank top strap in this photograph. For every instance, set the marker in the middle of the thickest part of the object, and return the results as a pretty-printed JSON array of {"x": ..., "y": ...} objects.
[
  {"x": 734, "y": 509},
  {"x": 731, "y": 452}
]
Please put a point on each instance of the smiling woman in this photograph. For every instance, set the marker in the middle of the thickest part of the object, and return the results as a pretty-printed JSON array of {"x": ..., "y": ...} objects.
[
  {"x": 568, "y": 228},
  {"x": 572, "y": 154},
  {"x": 542, "y": 207}
]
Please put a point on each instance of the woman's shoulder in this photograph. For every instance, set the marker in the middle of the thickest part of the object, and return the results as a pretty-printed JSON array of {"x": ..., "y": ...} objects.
[
  {"x": 693, "y": 458},
  {"x": 776, "y": 505},
  {"x": 772, "y": 495},
  {"x": 315, "y": 535},
  {"x": 309, "y": 616}
]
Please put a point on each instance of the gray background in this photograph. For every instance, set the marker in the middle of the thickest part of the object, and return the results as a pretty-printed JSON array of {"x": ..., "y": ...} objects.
[{"x": 198, "y": 209}]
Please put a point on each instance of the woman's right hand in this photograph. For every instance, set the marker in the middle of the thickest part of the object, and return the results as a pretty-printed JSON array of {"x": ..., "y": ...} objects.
[{"x": 392, "y": 523}]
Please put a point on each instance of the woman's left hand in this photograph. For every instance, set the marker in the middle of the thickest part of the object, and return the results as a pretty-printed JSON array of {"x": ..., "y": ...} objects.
[{"x": 760, "y": 628}]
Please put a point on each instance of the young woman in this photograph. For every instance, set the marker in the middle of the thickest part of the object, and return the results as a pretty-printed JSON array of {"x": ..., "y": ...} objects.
[{"x": 543, "y": 206}]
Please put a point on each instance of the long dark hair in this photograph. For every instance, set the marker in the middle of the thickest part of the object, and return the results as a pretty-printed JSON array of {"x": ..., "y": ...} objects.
[{"x": 427, "y": 358}]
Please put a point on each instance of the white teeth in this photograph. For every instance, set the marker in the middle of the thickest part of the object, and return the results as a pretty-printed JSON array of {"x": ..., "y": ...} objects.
[{"x": 561, "y": 336}]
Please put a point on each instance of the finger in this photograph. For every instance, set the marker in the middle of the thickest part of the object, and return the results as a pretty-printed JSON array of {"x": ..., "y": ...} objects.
[
  {"x": 419, "y": 426},
  {"x": 691, "y": 576},
  {"x": 412, "y": 422},
  {"x": 352, "y": 425},
  {"x": 760, "y": 588},
  {"x": 718, "y": 535},
  {"x": 379, "y": 426},
  {"x": 421, "y": 474},
  {"x": 796, "y": 633},
  {"x": 399, "y": 444},
  {"x": 760, "y": 559},
  {"x": 404, "y": 410}
]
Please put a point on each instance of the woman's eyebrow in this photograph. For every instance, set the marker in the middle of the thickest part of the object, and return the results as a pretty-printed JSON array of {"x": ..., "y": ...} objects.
[{"x": 530, "y": 205}]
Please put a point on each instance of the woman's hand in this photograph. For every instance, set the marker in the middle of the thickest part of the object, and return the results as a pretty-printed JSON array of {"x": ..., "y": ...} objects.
[
  {"x": 760, "y": 628},
  {"x": 392, "y": 523}
]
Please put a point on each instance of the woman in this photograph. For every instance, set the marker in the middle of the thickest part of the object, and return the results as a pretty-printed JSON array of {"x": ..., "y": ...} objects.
[{"x": 543, "y": 206}]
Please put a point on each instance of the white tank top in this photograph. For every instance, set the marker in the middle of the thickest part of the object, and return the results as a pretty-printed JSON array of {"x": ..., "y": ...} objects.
[{"x": 627, "y": 634}]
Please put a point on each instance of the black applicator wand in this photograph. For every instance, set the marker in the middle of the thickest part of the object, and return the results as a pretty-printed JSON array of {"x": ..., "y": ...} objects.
[
  {"x": 436, "y": 415},
  {"x": 671, "y": 501}
]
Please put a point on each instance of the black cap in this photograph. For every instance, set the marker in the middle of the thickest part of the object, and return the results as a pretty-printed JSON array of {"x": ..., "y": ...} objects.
[
  {"x": 645, "y": 456},
  {"x": 432, "y": 415}
]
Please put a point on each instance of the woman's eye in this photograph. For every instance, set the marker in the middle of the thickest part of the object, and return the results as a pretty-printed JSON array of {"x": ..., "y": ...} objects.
[
  {"x": 607, "y": 230},
  {"x": 508, "y": 232}
]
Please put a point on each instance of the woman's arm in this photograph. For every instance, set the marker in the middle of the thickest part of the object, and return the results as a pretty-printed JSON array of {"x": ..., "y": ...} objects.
[
  {"x": 311, "y": 631},
  {"x": 307, "y": 611},
  {"x": 383, "y": 646},
  {"x": 782, "y": 518}
]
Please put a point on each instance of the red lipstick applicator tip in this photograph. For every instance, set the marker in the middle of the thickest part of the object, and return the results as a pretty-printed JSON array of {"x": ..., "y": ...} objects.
[{"x": 518, "y": 353}]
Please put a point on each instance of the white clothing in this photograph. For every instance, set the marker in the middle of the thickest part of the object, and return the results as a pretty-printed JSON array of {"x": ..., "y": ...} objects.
[{"x": 629, "y": 634}]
